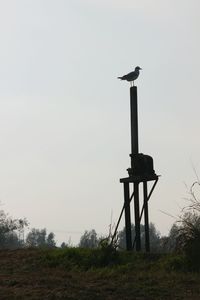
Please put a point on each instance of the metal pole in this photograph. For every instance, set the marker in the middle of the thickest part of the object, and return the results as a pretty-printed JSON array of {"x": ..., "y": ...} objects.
[
  {"x": 127, "y": 216},
  {"x": 146, "y": 217},
  {"x": 134, "y": 151},
  {"x": 134, "y": 120}
]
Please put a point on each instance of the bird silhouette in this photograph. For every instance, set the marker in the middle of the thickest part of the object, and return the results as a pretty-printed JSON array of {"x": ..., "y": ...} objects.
[{"x": 131, "y": 76}]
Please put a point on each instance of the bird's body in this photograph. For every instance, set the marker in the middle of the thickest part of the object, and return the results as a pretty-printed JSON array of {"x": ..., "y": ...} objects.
[{"x": 131, "y": 76}]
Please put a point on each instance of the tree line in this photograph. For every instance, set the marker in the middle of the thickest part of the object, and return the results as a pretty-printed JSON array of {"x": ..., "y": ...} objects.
[
  {"x": 183, "y": 237},
  {"x": 12, "y": 234},
  {"x": 158, "y": 243}
]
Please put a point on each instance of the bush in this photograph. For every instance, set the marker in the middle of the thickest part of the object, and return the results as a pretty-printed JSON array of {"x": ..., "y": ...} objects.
[
  {"x": 83, "y": 258},
  {"x": 188, "y": 240},
  {"x": 174, "y": 262}
]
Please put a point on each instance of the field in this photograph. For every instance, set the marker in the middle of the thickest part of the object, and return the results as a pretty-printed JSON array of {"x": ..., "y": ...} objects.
[{"x": 94, "y": 274}]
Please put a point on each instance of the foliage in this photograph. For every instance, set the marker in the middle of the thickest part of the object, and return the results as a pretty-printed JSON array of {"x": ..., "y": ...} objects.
[
  {"x": 187, "y": 230},
  {"x": 194, "y": 201},
  {"x": 50, "y": 240},
  {"x": 174, "y": 262},
  {"x": 12, "y": 234},
  {"x": 63, "y": 245},
  {"x": 39, "y": 238},
  {"x": 77, "y": 273},
  {"x": 188, "y": 239},
  {"x": 153, "y": 233},
  {"x": 83, "y": 258},
  {"x": 169, "y": 244},
  {"x": 101, "y": 258},
  {"x": 87, "y": 258},
  {"x": 89, "y": 239},
  {"x": 11, "y": 231}
]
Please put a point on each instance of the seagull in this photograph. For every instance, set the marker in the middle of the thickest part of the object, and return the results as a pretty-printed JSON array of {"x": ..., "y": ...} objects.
[{"x": 131, "y": 76}]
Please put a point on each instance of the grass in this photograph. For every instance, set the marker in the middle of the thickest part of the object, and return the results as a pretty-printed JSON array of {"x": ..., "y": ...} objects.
[{"x": 95, "y": 274}]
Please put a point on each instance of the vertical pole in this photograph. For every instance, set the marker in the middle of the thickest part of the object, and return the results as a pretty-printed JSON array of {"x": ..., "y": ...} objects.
[
  {"x": 146, "y": 217},
  {"x": 134, "y": 120},
  {"x": 137, "y": 216},
  {"x": 135, "y": 151},
  {"x": 127, "y": 216}
]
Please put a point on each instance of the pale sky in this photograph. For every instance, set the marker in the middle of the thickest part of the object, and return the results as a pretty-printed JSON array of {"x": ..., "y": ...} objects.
[{"x": 64, "y": 116}]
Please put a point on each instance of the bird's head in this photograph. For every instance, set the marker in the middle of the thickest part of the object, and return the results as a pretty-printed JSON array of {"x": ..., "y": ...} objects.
[{"x": 138, "y": 68}]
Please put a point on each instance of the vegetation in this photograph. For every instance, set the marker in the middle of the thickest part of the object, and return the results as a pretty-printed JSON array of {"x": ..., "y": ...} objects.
[
  {"x": 11, "y": 231},
  {"x": 39, "y": 238},
  {"x": 155, "y": 237},
  {"x": 186, "y": 232},
  {"x": 77, "y": 273},
  {"x": 89, "y": 239},
  {"x": 12, "y": 234},
  {"x": 99, "y": 269}
]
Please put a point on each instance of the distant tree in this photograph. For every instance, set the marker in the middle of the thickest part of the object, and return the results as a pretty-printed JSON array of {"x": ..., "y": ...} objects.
[
  {"x": 122, "y": 237},
  {"x": 22, "y": 224},
  {"x": 50, "y": 241},
  {"x": 89, "y": 239},
  {"x": 12, "y": 241},
  {"x": 12, "y": 234},
  {"x": 6, "y": 224},
  {"x": 169, "y": 243},
  {"x": 67, "y": 244},
  {"x": 39, "y": 238},
  {"x": 36, "y": 237},
  {"x": 10, "y": 231},
  {"x": 63, "y": 245},
  {"x": 153, "y": 234}
]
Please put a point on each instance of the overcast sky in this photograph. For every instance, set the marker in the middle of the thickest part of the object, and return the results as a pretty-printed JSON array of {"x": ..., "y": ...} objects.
[{"x": 64, "y": 116}]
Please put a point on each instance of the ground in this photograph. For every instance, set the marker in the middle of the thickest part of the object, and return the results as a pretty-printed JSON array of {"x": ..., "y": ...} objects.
[{"x": 40, "y": 274}]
